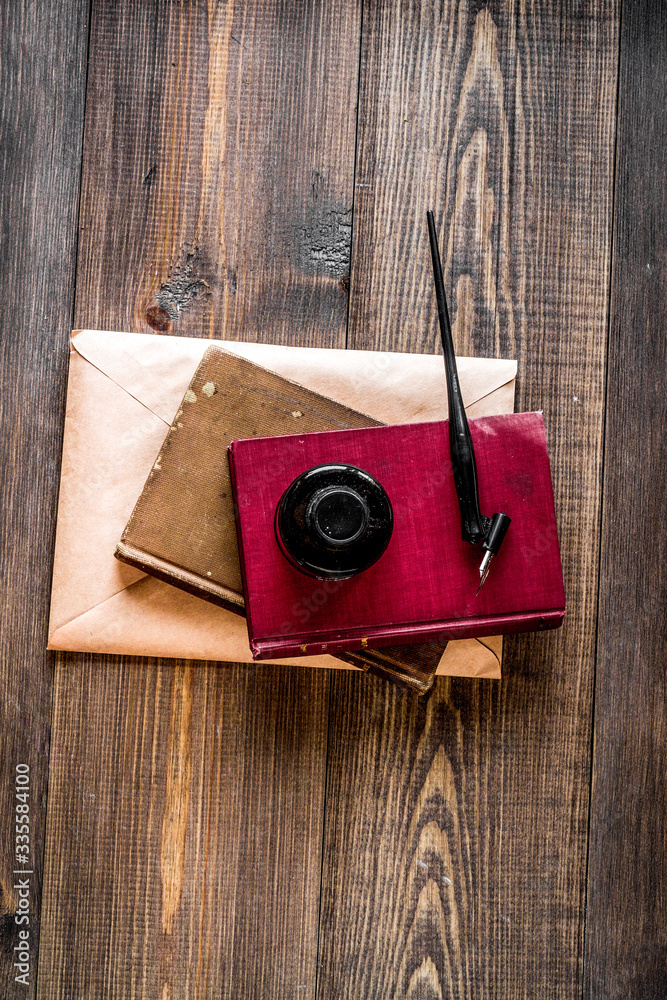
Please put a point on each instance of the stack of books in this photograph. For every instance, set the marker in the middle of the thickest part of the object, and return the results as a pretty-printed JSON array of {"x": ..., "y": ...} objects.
[
  {"x": 206, "y": 524},
  {"x": 183, "y": 527}
]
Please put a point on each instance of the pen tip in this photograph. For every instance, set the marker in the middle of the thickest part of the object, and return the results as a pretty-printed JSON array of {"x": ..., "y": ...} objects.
[{"x": 484, "y": 570}]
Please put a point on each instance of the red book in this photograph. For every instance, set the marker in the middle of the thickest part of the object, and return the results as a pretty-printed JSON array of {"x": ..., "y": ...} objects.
[{"x": 423, "y": 587}]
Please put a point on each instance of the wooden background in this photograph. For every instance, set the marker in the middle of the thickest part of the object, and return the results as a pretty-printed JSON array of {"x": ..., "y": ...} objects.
[{"x": 260, "y": 169}]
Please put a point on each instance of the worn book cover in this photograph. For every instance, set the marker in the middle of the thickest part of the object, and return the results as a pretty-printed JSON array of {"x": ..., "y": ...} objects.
[
  {"x": 424, "y": 586},
  {"x": 182, "y": 529}
]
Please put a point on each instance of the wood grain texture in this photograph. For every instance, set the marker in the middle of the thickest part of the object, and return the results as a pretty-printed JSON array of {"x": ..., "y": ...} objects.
[
  {"x": 455, "y": 846},
  {"x": 217, "y": 192},
  {"x": 186, "y": 801},
  {"x": 626, "y": 951},
  {"x": 218, "y": 171},
  {"x": 182, "y": 798},
  {"x": 42, "y": 91}
]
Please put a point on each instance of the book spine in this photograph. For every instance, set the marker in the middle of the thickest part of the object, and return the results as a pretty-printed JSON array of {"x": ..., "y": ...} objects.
[
  {"x": 239, "y": 538},
  {"x": 183, "y": 579},
  {"x": 290, "y": 646}
]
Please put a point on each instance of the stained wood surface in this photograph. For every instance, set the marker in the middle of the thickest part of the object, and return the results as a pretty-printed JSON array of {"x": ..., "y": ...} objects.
[
  {"x": 626, "y": 947},
  {"x": 262, "y": 171},
  {"x": 188, "y": 800},
  {"x": 42, "y": 87},
  {"x": 218, "y": 169}
]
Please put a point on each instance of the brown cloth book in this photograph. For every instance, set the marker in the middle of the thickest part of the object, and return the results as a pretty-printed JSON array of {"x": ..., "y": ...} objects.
[{"x": 183, "y": 530}]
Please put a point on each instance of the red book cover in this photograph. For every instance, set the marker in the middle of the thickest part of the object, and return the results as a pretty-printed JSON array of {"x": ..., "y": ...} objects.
[{"x": 424, "y": 585}]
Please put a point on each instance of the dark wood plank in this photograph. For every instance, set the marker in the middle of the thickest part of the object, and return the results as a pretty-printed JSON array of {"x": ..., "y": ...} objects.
[
  {"x": 184, "y": 801},
  {"x": 217, "y": 195},
  {"x": 455, "y": 847},
  {"x": 42, "y": 92},
  {"x": 626, "y": 936}
]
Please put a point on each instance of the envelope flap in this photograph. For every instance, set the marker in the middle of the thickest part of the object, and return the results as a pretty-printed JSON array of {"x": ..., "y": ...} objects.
[
  {"x": 392, "y": 387},
  {"x": 156, "y": 370}
]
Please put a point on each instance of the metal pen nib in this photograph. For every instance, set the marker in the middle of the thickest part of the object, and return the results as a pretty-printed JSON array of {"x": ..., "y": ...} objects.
[
  {"x": 492, "y": 541},
  {"x": 484, "y": 569}
]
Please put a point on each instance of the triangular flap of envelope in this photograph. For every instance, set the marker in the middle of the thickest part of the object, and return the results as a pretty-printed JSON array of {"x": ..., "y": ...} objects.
[
  {"x": 111, "y": 441},
  {"x": 473, "y": 658},
  {"x": 151, "y": 618},
  {"x": 156, "y": 371}
]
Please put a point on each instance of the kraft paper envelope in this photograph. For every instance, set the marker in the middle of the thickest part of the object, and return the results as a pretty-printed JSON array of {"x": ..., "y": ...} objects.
[{"x": 124, "y": 390}]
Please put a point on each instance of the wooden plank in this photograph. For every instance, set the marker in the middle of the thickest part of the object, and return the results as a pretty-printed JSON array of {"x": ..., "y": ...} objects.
[
  {"x": 455, "y": 845},
  {"x": 185, "y": 799},
  {"x": 626, "y": 927},
  {"x": 42, "y": 92},
  {"x": 217, "y": 194}
]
